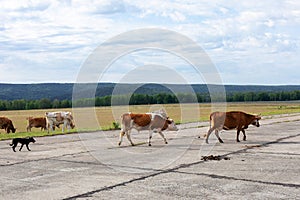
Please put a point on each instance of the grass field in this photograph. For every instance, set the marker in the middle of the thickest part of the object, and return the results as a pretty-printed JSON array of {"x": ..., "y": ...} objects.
[{"x": 102, "y": 118}]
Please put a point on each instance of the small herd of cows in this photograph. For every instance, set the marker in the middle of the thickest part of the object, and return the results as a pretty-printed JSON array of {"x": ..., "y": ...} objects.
[
  {"x": 48, "y": 122},
  {"x": 157, "y": 121}
]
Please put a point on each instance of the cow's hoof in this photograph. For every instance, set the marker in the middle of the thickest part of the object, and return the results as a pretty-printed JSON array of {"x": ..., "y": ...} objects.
[
  {"x": 119, "y": 143},
  {"x": 221, "y": 141},
  {"x": 149, "y": 145},
  {"x": 132, "y": 144},
  {"x": 199, "y": 136},
  {"x": 238, "y": 141},
  {"x": 206, "y": 141},
  {"x": 166, "y": 142}
]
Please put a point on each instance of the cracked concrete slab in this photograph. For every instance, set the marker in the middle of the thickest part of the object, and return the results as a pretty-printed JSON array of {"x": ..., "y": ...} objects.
[{"x": 93, "y": 166}]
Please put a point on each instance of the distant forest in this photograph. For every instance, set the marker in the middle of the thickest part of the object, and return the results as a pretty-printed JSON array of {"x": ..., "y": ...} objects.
[
  {"x": 64, "y": 91},
  {"x": 139, "y": 99},
  {"x": 59, "y": 95}
]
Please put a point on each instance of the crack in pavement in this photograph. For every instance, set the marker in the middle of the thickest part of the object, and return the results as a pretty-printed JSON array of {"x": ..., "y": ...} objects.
[
  {"x": 182, "y": 166},
  {"x": 241, "y": 179},
  {"x": 41, "y": 159}
]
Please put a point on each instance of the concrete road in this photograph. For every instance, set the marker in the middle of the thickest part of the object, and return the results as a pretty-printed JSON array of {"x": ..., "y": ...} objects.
[{"x": 92, "y": 166}]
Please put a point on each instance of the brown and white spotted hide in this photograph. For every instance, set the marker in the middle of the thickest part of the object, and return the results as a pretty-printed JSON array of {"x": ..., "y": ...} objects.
[
  {"x": 56, "y": 118},
  {"x": 146, "y": 121}
]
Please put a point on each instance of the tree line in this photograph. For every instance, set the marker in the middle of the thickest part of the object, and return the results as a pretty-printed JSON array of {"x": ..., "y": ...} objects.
[{"x": 139, "y": 99}]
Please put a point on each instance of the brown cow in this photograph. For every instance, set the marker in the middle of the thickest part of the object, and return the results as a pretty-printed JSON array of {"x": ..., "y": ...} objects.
[
  {"x": 38, "y": 122},
  {"x": 147, "y": 121},
  {"x": 231, "y": 120},
  {"x": 7, "y": 124}
]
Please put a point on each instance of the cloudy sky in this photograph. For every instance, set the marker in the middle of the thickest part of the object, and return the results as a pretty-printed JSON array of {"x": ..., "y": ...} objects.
[{"x": 248, "y": 42}]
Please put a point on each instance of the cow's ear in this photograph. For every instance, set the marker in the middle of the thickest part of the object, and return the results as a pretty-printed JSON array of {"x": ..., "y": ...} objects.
[{"x": 169, "y": 121}]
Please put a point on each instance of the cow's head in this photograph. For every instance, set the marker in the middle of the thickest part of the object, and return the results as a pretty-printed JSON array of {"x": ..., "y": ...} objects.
[
  {"x": 11, "y": 128},
  {"x": 70, "y": 121},
  {"x": 171, "y": 125},
  {"x": 255, "y": 122},
  {"x": 72, "y": 125}
]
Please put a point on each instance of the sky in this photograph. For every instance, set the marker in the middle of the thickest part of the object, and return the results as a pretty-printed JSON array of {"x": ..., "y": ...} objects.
[{"x": 246, "y": 42}]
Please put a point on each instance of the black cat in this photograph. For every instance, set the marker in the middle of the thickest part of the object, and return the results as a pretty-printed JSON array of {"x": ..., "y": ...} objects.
[{"x": 23, "y": 141}]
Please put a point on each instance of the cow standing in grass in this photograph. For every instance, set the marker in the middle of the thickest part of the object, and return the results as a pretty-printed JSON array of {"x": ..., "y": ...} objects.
[
  {"x": 231, "y": 120},
  {"x": 38, "y": 122},
  {"x": 56, "y": 118},
  {"x": 147, "y": 121},
  {"x": 7, "y": 125}
]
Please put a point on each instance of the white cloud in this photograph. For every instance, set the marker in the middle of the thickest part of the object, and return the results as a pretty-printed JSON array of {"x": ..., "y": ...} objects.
[{"x": 56, "y": 36}]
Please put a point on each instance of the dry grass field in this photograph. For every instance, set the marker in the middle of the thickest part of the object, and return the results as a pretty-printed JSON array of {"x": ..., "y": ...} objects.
[{"x": 91, "y": 119}]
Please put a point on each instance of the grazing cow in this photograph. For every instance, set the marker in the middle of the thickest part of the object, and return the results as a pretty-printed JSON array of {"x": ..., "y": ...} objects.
[
  {"x": 148, "y": 121},
  {"x": 56, "y": 118},
  {"x": 231, "y": 120},
  {"x": 7, "y": 125},
  {"x": 38, "y": 122}
]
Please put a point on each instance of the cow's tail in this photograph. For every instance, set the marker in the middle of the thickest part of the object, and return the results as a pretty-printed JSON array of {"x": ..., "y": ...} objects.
[
  {"x": 210, "y": 118},
  {"x": 121, "y": 124}
]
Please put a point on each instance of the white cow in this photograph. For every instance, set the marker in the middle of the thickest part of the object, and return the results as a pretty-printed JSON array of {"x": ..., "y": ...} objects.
[{"x": 57, "y": 118}]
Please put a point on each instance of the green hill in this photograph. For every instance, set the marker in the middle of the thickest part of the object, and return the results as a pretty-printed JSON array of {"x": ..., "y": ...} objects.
[{"x": 62, "y": 91}]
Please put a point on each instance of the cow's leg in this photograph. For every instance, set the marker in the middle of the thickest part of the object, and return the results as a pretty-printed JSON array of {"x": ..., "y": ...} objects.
[
  {"x": 28, "y": 128},
  {"x": 163, "y": 136},
  {"x": 21, "y": 147},
  {"x": 237, "y": 135},
  {"x": 50, "y": 127},
  {"x": 244, "y": 133},
  {"x": 150, "y": 137},
  {"x": 129, "y": 138},
  {"x": 64, "y": 126},
  {"x": 217, "y": 134},
  {"x": 122, "y": 133},
  {"x": 68, "y": 125},
  {"x": 208, "y": 134}
]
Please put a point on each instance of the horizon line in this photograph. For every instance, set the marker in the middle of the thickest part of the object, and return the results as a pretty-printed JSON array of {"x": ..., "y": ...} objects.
[{"x": 226, "y": 84}]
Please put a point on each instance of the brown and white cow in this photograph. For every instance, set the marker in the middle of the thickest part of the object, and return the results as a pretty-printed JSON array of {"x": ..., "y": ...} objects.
[
  {"x": 37, "y": 122},
  {"x": 147, "y": 121},
  {"x": 56, "y": 118},
  {"x": 7, "y": 125},
  {"x": 231, "y": 120}
]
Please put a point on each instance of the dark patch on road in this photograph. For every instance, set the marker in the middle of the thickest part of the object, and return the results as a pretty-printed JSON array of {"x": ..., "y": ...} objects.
[{"x": 212, "y": 157}]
